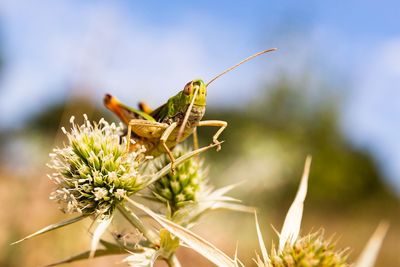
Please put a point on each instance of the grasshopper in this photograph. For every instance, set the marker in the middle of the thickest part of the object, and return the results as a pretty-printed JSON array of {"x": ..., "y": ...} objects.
[{"x": 160, "y": 130}]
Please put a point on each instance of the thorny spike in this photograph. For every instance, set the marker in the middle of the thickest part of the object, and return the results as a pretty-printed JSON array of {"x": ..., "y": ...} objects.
[{"x": 240, "y": 63}]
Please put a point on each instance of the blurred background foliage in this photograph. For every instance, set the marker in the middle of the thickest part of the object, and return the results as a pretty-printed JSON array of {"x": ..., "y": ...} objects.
[{"x": 267, "y": 141}]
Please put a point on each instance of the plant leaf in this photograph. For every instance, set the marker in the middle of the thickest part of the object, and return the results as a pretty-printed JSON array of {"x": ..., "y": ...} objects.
[
  {"x": 291, "y": 226},
  {"x": 223, "y": 190},
  {"x": 371, "y": 250},
  {"x": 52, "y": 227},
  {"x": 232, "y": 206},
  {"x": 258, "y": 261},
  {"x": 138, "y": 224},
  {"x": 109, "y": 250},
  {"x": 263, "y": 249},
  {"x": 197, "y": 243},
  {"x": 236, "y": 258},
  {"x": 100, "y": 229}
]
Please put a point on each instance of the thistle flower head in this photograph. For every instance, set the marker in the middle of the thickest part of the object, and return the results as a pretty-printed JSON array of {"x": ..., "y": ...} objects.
[
  {"x": 94, "y": 171},
  {"x": 308, "y": 251}
]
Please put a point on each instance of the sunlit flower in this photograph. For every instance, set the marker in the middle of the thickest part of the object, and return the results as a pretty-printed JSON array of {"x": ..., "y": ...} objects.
[
  {"x": 308, "y": 251},
  {"x": 312, "y": 250},
  {"x": 94, "y": 171}
]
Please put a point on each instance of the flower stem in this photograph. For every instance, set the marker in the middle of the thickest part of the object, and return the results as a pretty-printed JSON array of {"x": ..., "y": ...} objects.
[
  {"x": 173, "y": 261},
  {"x": 136, "y": 222}
]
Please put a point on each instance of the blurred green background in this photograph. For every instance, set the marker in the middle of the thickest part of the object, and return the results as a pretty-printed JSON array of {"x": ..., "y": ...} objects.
[{"x": 329, "y": 91}]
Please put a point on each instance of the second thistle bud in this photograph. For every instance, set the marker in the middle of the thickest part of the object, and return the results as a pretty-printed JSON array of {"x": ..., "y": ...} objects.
[{"x": 184, "y": 185}]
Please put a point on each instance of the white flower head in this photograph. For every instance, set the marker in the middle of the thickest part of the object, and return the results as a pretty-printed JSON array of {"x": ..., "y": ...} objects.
[
  {"x": 145, "y": 259},
  {"x": 94, "y": 171}
]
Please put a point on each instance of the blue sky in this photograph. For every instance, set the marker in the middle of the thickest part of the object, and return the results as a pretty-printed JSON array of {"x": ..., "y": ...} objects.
[{"x": 150, "y": 49}]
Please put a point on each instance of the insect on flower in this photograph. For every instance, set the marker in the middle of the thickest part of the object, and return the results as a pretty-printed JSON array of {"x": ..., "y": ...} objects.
[{"x": 160, "y": 130}]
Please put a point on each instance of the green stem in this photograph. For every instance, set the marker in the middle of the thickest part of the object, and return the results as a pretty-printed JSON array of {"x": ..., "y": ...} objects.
[
  {"x": 173, "y": 261},
  {"x": 136, "y": 222}
]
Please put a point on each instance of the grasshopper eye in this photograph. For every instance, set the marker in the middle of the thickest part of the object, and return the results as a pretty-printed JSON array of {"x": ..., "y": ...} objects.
[{"x": 188, "y": 90}]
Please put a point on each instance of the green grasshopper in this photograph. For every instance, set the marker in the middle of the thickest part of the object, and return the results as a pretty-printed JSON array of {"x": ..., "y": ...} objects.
[{"x": 160, "y": 130}]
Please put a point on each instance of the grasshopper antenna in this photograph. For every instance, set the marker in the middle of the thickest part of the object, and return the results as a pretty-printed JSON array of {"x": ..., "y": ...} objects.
[
  {"x": 186, "y": 118},
  {"x": 240, "y": 63}
]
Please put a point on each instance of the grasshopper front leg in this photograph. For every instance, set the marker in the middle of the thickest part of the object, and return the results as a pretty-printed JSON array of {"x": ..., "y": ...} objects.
[
  {"x": 215, "y": 123},
  {"x": 195, "y": 139},
  {"x": 163, "y": 139}
]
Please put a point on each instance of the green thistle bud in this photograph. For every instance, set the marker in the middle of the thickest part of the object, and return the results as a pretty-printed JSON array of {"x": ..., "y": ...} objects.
[
  {"x": 309, "y": 251},
  {"x": 93, "y": 172},
  {"x": 187, "y": 193},
  {"x": 183, "y": 186}
]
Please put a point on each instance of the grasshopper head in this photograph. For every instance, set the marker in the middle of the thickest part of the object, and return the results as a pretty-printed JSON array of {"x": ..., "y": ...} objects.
[{"x": 191, "y": 87}]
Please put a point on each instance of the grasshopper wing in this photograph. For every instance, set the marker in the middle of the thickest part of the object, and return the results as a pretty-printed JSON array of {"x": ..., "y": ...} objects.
[
  {"x": 124, "y": 112},
  {"x": 142, "y": 124},
  {"x": 160, "y": 113}
]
